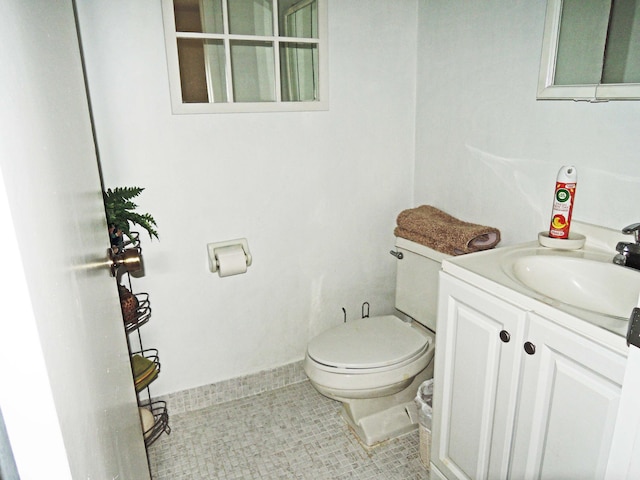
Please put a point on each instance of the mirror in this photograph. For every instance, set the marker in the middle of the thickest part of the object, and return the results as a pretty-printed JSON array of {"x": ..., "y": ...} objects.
[{"x": 591, "y": 50}]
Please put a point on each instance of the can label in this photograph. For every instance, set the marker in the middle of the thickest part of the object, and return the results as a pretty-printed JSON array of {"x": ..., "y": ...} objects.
[{"x": 562, "y": 209}]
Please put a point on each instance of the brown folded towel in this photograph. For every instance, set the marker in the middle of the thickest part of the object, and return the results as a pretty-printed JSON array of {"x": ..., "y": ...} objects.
[{"x": 435, "y": 229}]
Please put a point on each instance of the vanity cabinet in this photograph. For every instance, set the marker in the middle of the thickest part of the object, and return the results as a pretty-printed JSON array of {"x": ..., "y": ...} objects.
[{"x": 517, "y": 395}]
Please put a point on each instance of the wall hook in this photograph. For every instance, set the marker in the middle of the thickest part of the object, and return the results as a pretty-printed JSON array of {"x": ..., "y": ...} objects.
[{"x": 365, "y": 310}]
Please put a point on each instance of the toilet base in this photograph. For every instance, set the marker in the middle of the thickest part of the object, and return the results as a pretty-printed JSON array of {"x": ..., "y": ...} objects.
[{"x": 375, "y": 420}]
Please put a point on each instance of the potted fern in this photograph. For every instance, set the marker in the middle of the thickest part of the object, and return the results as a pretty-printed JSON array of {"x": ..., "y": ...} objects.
[{"x": 120, "y": 212}]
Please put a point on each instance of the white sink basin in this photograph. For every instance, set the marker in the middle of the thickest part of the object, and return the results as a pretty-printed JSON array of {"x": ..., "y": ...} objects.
[{"x": 592, "y": 285}]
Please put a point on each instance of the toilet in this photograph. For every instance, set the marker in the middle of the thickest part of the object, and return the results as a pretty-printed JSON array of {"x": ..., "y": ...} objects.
[{"x": 375, "y": 365}]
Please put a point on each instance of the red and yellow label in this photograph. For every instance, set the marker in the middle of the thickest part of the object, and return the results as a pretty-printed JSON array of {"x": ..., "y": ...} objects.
[{"x": 562, "y": 209}]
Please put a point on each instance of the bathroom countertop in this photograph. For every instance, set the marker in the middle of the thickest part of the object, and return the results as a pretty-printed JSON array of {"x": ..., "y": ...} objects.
[{"x": 489, "y": 271}]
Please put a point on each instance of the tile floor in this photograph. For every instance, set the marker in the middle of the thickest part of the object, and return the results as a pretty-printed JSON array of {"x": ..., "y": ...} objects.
[{"x": 292, "y": 432}]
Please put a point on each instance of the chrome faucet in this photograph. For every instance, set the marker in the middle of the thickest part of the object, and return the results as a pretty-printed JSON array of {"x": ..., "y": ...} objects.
[{"x": 629, "y": 252}]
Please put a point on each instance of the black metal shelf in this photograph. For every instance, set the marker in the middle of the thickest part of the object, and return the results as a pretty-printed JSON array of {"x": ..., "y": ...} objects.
[
  {"x": 136, "y": 315},
  {"x": 160, "y": 421},
  {"x": 148, "y": 366},
  {"x": 142, "y": 313}
]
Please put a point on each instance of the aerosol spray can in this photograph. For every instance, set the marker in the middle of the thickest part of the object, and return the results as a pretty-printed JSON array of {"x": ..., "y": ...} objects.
[{"x": 563, "y": 199}]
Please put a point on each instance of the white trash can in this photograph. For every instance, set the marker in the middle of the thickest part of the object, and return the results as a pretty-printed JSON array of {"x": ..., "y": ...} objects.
[{"x": 423, "y": 401}]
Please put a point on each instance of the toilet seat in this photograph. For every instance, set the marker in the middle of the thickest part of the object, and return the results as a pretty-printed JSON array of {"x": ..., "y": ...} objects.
[{"x": 368, "y": 345}]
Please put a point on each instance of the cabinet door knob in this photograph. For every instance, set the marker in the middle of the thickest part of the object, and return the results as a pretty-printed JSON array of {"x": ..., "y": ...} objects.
[
  {"x": 530, "y": 348},
  {"x": 505, "y": 336}
]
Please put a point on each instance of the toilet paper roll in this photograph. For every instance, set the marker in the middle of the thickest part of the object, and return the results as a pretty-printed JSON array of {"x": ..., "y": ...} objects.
[{"x": 231, "y": 260}]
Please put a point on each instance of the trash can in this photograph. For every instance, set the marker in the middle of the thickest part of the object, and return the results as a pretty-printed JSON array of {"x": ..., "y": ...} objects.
[{"x": 423, "y": 401}]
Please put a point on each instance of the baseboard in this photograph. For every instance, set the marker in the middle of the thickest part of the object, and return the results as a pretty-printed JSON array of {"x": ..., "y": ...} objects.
[{"x": 233, "y": 389}]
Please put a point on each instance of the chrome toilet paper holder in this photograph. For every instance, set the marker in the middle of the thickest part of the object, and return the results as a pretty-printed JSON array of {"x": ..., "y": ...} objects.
[{"x": 211, "y": 248}]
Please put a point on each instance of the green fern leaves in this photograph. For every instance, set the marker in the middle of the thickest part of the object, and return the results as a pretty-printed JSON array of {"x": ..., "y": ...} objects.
[{"x": 120, "y": 211}]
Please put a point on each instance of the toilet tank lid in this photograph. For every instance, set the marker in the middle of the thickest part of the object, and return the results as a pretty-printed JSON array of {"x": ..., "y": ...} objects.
[
  {"x": 368, "y": 343},
  {"x": 420, "y": 249}
]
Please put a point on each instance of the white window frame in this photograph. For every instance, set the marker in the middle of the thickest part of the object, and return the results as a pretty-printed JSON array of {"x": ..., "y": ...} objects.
[
  {"x": 178, "y": 107},
  {"x": 600, "y": 92}
]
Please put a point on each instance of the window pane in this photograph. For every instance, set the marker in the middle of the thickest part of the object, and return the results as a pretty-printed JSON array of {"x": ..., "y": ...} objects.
[
  {"x": 299, "y": 72},
  {"x": 298, "y": 18},
  {"x": 202, "y": 70},
  {"x": 191, "y": 18},
  {"x": 250, "y": 17},
  {"x": 215, "y": 65},
  {"x": 252, "y": 67}
]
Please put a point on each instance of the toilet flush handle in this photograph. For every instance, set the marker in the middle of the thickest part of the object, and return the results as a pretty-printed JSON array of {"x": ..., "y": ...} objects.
[{"x": 398, "y": 255}]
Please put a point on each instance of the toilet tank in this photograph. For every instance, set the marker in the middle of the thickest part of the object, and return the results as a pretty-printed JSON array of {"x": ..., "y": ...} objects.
[{"x": 417, "y": 281}]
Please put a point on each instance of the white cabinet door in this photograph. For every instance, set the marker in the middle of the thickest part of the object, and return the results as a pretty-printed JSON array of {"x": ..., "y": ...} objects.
[
  {"x": 567, "y": 407},
  {"x": 476, "y": 381}
]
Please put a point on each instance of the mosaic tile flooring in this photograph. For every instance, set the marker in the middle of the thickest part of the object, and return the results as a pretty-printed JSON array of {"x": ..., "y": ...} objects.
[{"x": 292, "y": 432}]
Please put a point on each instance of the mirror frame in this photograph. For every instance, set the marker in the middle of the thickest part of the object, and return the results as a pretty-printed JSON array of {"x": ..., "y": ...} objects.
[{"x": 583, "y": 92}]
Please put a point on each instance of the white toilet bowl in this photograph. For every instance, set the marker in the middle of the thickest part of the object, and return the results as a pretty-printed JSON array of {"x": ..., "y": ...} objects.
[{"x": 374, "y": 367}]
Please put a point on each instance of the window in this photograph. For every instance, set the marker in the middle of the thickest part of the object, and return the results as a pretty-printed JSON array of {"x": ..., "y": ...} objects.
[
  {"x": 591, "y": 50},
  {"x": 246, "y": 55}
]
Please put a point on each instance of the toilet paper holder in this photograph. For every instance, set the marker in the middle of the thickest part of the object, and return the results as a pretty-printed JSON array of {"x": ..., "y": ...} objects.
[{"x": 211, "y": 248}]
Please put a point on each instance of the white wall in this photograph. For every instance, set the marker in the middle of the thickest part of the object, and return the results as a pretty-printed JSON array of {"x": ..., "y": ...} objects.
[
  {"x": 316, "y": 194},
  {"x": 487, "y": 151}
]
